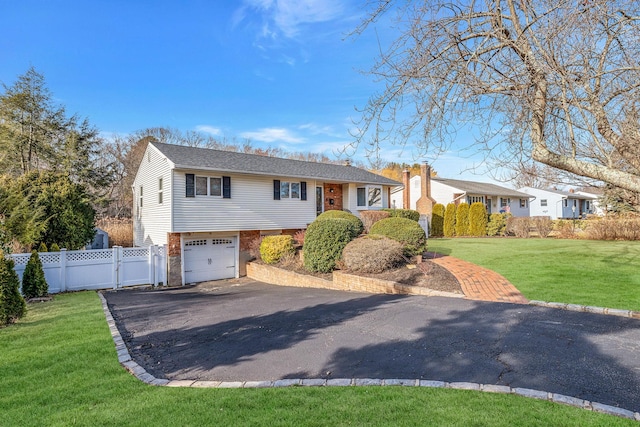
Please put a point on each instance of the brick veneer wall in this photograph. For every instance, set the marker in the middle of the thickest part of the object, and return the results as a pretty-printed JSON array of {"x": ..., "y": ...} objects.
[{"x": 336, "y": 196}]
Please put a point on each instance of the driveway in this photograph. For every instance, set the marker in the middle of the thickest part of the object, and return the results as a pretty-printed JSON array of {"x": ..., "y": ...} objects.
[{"x": 242, "y": 330}]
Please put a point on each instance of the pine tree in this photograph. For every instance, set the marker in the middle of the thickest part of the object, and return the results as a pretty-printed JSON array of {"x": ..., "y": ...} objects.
[
  {"x": 12, "y": 305},
  {"x": 34, "y": 284}
]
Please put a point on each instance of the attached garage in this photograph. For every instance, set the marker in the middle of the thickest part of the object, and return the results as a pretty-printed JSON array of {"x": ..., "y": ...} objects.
[{"x": 209, "y": 258}]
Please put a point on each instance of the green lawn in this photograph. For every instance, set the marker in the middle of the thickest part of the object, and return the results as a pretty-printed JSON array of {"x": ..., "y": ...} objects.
[
  {"x": 586, "y": 272},
  {"x": 58, "y": 366}
]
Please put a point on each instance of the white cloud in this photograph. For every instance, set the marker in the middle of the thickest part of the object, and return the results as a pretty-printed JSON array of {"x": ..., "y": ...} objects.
[
  {"x": 273, "y": 135},
  {"x": 287, "y": 17},
  {"x": 209, "y": 129}
]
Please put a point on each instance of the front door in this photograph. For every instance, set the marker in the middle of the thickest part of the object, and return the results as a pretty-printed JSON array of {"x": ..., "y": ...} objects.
[{"x": 319, "y": 201}]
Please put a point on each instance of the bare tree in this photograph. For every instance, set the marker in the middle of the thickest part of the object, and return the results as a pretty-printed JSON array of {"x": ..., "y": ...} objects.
[{"x": 555, "y": 81}]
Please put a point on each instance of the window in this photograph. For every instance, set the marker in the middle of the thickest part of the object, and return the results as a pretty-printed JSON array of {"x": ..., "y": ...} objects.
[
  {"x": 208, "y": 186},
  {"x": 160, "y": 190},
  {"x": 543, "y": 202},
  {"x": 140, "y": 202},
  {"x": 369, "y": 196},
  {"x": 588, "y": 205},
  {"x": 289, "y": 190},
  {"x": 475, "y": 199},
  {"x": 566, "y": 203},
  {"x": 523, "y": 203},
  {"x": 504, "y": 202},
  {"x": 215, "y": 187}
]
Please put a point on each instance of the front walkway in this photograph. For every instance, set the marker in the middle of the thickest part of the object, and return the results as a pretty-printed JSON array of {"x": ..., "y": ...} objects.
[{"x": 479, "y": 283}]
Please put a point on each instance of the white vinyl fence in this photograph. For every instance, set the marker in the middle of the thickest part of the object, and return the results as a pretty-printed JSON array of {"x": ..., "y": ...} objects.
[{"x": 99, "y": 269}]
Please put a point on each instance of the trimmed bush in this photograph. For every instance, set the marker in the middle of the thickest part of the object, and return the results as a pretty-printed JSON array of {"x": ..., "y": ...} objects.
[
  {"x": 405, "y": 231},
  {"x": 34, "y": 284},
  {"x": 614, "y": 229},
  {"x": 449, "y": 228},
  {"x": 371, "y": 217},
  {"x": 518, "y": 226},
  {"x": 42, "y": 247},
  {"x": 497, "y": 224},
  {"x": 462, "y": 220},
  {"x": 478, "y": 219},
  {"x": 54, "y": 247},
  {"x": 272, "y": 248},
  {"x": 324, "y": 242},
  {"x": 372, "y": 254},
  {"x": 12, "y": 305},
  {"x": 437, "y": 220},
  {"x": 357, "y": 224},
  {"x": 411, "y": 214},
  {"x": 544, "y": 225}
]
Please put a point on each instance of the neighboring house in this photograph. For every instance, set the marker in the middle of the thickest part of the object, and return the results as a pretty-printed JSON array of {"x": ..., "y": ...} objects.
[
  {"x": 558, "y": 204},
  {"x": 209, "y": 206},
  {"x": 496, "y": 198}
]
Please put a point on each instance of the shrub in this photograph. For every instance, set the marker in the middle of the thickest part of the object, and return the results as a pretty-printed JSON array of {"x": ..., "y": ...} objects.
[
  {"x": 357, "y": 224},
  {"x": 371, "y": 217},
  {"x": 34, "y": 284},
  {"x": 324, "y": 242},
  {"x": 372, "y": 254},
  {"x": 437, "y": 220},
  {"x": 272, "y": 248},
  {"x": 42, "y": 247},
  {"x": 404, "y": 213},
  {"x": 477, "y": 219},
  {"x": 518, "y": 226},
  {"x": 54, "y": 247},
  {"x": 497, "y": 224},
  {"x": 449, "y": 228},
  {"x": 624, "y": 228},
  {"x": 405, "y": 231},
  {"x": 544, "y": 225},
  {"x": 299, "y": 237},
  {"x": 462, "y": 220},
  {"x": 12, "y": 305}
]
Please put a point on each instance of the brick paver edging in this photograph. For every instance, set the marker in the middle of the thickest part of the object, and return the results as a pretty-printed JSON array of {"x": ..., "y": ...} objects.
[
  {"x": 139, "y": 372},
  {"x": 588, "y": 309}
]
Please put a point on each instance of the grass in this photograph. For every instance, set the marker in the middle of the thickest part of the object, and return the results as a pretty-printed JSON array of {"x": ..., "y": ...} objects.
[
  {"x": 58, "y": 366},
  {"x": 586, "y": 272}
]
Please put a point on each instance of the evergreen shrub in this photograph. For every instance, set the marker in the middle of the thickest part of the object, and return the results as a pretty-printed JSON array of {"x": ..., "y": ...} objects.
[
  {"x": 324, "y": 242},
  {"x": 272, "y": 248},
  {"x": 34, "y": 284},
  {"x": 54, "y": 247},
  {"x": 477, "y": 219},
  {"x": 497, "y": 224},
  {"x": 12, "y": 305},
  {"x": 462, "y": 220},
  {"x": 437, "y": 220},
  {"x": 403, "y": 230},
  {"x": 42, "y": 247},
  {"x": 357, "y": 224},
  {"x": 449, "y": 228},
  {"x": 411, "y": 214}
]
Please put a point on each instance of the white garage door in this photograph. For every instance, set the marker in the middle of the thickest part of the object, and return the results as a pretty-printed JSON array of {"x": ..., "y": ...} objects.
[{"x": 209, "y": 259}]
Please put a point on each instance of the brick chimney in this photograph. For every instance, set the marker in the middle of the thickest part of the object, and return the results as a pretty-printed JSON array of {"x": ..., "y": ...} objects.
[
  {"x": 425, "y": 203},
  {"x": 406, "y": 193}
]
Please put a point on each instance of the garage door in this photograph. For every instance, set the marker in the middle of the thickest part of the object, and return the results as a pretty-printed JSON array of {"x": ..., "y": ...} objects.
[{"x": 209, "y": 259}]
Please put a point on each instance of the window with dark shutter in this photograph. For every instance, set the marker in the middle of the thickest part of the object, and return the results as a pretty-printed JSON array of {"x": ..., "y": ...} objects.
[
  {"x": 303, "y": 190},
  {"x": 226, "y": 187},
  {"x": 190, "y": 185},
  {"x": 276, "y": 189}
]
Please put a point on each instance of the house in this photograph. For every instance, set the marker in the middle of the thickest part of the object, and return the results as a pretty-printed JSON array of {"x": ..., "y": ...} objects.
[
  {"x": 208, "y": 206},
  {"x": 445, "y": 191},
  {"x": 558, "y": 204}
]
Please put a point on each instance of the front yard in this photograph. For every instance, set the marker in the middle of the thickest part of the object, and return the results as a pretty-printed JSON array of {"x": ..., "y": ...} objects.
[
  {"x": 585, "y": 272},
  {"x": 58, "y": 366}
]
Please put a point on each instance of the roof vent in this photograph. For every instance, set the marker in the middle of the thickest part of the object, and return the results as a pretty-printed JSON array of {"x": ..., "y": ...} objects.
[{"x": 347, "y": 162}]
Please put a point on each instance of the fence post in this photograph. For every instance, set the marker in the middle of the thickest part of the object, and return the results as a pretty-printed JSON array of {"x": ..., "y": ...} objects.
[
  {"x": 63, "y": 270},
  {"x": 152, "y": 265},
  {"x": 117, "y": 255}
]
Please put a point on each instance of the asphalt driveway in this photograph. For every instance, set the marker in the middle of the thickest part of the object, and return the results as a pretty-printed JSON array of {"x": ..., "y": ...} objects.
[{"x": 242, "y": 330}]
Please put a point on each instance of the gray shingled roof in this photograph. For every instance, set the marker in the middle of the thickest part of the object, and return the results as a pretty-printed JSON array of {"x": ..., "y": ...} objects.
[
  {"x": 227, "y": 161},
  {"x": 481, "y": 188}
]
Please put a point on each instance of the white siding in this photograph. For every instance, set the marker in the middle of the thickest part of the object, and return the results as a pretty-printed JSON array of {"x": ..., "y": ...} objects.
[
  {"x": 152, "y": 222},
  {"x": 350, "y": 198},
  {"x": 443, "y": 193},
  {"x": 553, "y": 208},
  {"x": 251, "y": 206}
]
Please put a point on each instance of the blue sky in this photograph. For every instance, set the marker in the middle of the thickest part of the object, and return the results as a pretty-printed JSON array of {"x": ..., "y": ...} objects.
[{"x": 282, "y": 73}]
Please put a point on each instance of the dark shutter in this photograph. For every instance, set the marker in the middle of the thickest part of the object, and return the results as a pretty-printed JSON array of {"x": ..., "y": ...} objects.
[
  {"x": 191, "y": 185},
  {"x": 226, "y": 187},
  {"x": 303, "y": 190},
  {"x": 276, "y": 189}
]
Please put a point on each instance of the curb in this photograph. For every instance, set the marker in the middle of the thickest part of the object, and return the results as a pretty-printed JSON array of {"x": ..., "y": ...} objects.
[
  {"x": 139, "y": 372},
  {"x": 588, "y": 309}
]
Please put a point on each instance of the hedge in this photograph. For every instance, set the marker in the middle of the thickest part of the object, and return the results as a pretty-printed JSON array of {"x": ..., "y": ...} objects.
[
  {"x": 324, "y": 242},
  {"x": 12, "y": 305},
  {"x": 449, "y": 228},
  {"x": 478, "y": 219},
  {"x": 372, "y": 254},
  {"x": 34, "y": 284},
  {"x": 405, "y": 231},
  {"x": 437, "y": 220},
  {"x": 403, "y": 213},
  {"x": 272, "y": 248},
  {"x": 462, "y": 219},
  {"x": 358, "y": 226}
]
